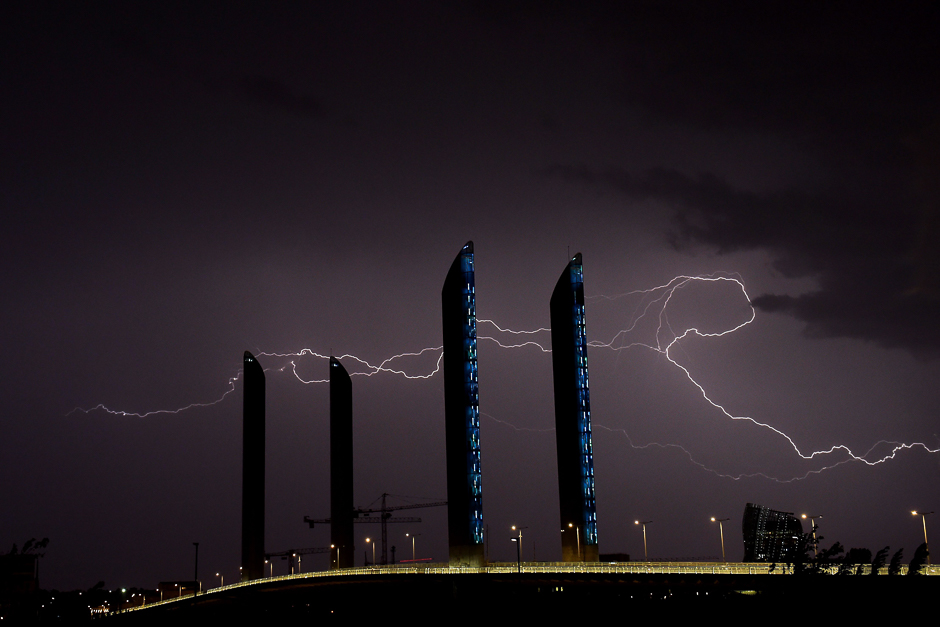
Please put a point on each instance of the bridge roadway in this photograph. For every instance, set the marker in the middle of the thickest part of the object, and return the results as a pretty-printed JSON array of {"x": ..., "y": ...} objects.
[{"x": 541, "y": 589}]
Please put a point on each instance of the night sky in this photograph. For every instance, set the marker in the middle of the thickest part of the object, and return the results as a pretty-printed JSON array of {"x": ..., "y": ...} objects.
[{"x": 182, "y": 183}]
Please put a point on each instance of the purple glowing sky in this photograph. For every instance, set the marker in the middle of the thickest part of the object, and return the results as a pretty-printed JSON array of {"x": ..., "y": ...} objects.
[{"x": 181, "y": 184}]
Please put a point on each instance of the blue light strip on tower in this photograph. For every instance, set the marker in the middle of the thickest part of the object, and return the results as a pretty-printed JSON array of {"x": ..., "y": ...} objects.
[
  {"x": 589, "y": 508},
  {"x": 473, "y": 399}
]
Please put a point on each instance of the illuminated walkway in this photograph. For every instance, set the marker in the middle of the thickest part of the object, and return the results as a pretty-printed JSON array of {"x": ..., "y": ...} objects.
[{"x": 504, "y": 569}]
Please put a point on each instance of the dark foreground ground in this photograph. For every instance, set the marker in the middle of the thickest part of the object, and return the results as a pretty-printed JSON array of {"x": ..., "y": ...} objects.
[{"x": 471, "y": 598}]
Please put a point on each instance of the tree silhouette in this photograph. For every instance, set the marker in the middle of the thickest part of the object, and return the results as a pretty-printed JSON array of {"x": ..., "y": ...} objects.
[
  {"x": 854, "y": 560},
  {"x": 878, "y": 563},
  {"x": 30, "y": 546},
  {"x": 827, "y": 558},
  {"x": 916, "y": 566},
  {"x": 822, "y": 562},
  {"x": 801, "y": 555},
  {"x": 894, "y": 568}
]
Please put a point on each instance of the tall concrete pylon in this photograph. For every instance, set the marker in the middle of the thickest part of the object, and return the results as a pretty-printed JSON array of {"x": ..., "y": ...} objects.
[
  {"x": 462, "y": 413},
  {"x": 573, "y": 438},
  {"x": 253, "y": 470},
  {"x": 341, "y": 467}
]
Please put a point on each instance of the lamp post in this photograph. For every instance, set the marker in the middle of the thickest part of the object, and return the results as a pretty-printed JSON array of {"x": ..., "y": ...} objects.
[
  {"x": 721, "y": 532},
  {"x": 812, "y": 520},
  {"x": 923, "y": 516},
  {"x": 644, "y": 523},
  {"x": 368, "y": 540},
  {"x": 577, "y": 533},
  {"x": 412, "y": 536},
  {"x": 518, "y": 546},
  {"x": 221, "y": 579},
  {"x": 196, "y": 571}
]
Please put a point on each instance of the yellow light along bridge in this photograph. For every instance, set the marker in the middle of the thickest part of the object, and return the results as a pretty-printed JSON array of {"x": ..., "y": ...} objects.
[{"x": 545, "y": 588}]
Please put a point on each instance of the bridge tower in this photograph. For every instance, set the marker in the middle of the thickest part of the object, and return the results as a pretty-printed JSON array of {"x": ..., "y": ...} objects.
[
  {"x": 573, "y": 417},
  {"x": 462, "y": 413},
  {"x": 341, "y": 467},
  {"x": 253, "y": 470}
]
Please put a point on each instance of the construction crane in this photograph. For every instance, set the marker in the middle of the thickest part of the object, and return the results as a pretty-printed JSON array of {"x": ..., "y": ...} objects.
[{"x": 361, "y": 515}]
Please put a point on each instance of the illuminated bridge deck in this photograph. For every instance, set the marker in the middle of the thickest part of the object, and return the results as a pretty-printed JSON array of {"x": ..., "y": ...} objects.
[{"x": 548, "y": 589}]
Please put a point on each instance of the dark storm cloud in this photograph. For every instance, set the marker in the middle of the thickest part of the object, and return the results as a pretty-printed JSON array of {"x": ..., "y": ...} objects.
[
  {"x": 861, "y": 251},
  {"x": 826, "y": 67},
  {"x": 852, "y": 88},
  {"x": 155, "y": 53}
]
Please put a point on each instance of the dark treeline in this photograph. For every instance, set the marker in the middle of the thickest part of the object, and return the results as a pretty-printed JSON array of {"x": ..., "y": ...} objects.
[{"x": 812, "y": 559}]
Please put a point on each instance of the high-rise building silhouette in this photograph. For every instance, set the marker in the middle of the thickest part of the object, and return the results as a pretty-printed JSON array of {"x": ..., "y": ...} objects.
[
  {"x": 769, "y": 535},
  {"x": 341, "y": 467},
  {"x": 462, "y": 413},
  {"x": 573, "y": 417},
  {"x": 253, "y": 470}
]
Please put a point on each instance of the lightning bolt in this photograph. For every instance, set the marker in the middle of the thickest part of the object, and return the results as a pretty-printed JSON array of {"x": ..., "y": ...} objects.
[
  {"x": 653, "y": 302},
  {"x": 370, "y": 368},
  {"x": 522, "y": 345},
  {"x": 657, "y": 300},
  {"x": 157, "y": 412},
  {"x": 514, "y": 427}
]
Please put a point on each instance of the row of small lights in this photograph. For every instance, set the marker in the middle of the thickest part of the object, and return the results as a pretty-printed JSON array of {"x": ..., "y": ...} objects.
[
  {"x": 812, "y": 520},
  {"x": 643, "y": 524},
  {"x": 518, "y": 539}
]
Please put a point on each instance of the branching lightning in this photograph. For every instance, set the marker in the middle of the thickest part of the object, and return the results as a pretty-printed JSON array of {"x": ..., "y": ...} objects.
[
  {"x": 654, "y": 302},
  {"x": 370, "y": 368},
  {"x": 522, "y": 345},
  {"x": 156, "y": 412},
  {"x": 502, "y": 330},
  {"x": 514, "y": 427},
  {"x": 657, "y": 300}
]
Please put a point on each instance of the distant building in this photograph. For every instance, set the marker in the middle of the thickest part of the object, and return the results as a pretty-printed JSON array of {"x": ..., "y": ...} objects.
[
  {"x": 19, "y": 574},
  {"x": 573, "y": 418},
  {"x": 253, "y": 470},
  {"x": 462, "y": 413},
  {"x": 769, "y": 535}
]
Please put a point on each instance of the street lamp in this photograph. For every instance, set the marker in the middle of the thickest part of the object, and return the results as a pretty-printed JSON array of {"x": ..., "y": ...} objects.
[
  {"x": 923, "y": 516},
  {"x": 577, "y": 534},
  {"x": 518, "y": 546},
  {"x": 222, "y": 580},
  {"x": 412, "y": 536},
  {"x": 368, "y": 540},
  {"x": 721, "y": 532},
  {"x": 812, "y": 520},
  {"x": 644, "y": 523}
]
